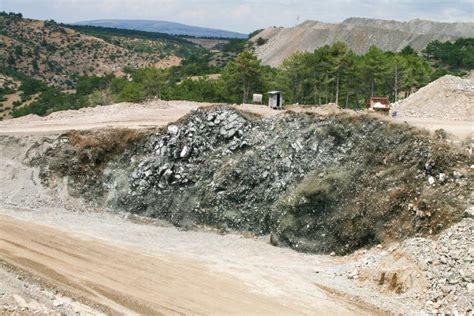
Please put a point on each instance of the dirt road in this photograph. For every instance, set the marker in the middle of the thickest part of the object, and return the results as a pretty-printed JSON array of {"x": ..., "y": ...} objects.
[
  {"x": 160, "y": 113},
  {"x": 460, "y": 129},
  {"x": 124, "y": 279},
  {"x": 123, "y": 115},
  {"x": 118, "y": 115}
]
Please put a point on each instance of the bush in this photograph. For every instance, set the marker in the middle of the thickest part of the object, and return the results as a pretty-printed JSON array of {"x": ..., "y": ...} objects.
[
  {"x": 102, "y": 97},
  {"x": 16, "y": 103},
  {"x": 30, "y": 86},
  {"x": 117, "y": 85},
  {"x": 88, "y": 84},
  {"x": 131, "y": 92},
  {"x": 50, "y": 100},
  {"x": 261, "y": 41},
  {"x": 255, "y": 33}
]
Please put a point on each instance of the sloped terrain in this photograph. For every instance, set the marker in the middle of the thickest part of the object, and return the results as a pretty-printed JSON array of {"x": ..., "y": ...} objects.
[
  {"x": 58, "y": 55},
  {"x": 141, "y": 41},
  {"x": 448, "y": 98},
  {"x": 358, "y": 33},
  {"x": 318, "y": 184}
]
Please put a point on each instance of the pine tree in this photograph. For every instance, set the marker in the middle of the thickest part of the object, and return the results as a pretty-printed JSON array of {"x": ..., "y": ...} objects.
[{"x": 243, "y": 75}]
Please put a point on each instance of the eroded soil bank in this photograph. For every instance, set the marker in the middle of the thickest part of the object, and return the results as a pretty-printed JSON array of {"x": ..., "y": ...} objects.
[{"x": 315, "y": 183}]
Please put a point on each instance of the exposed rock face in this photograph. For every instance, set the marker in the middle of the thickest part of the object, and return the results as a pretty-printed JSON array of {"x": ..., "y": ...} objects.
[
  {"x": 319, "y": 184},
  {"x": 359, "y": 34}
]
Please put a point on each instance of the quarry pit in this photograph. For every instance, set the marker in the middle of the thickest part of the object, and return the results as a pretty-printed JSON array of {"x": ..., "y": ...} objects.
[{"x": 291, "y": 212}]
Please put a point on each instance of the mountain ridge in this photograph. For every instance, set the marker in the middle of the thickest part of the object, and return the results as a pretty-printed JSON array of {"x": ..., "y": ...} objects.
[
  {"x": 358, "y": 33},
  {"x": 161, "y": 26}
]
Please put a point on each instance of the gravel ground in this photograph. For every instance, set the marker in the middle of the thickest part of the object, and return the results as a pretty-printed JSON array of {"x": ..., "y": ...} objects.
[
  {"x": 21, "y": 295},
  {"x": 419, "y": 286},
  {"x": 448, "y": 265},
  {"x": 311, "y": 281},
  {"x": 433, "y": 276}
]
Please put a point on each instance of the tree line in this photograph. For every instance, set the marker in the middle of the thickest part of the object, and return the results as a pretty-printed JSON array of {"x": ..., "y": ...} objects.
[
  {"x": 332, "y": 73},
  {"x": 335, "y": 74}
]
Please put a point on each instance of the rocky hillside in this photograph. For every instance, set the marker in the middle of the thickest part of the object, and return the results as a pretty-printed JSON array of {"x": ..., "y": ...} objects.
[
  {"x": 58, "y": 55},
  {"x": 358, "y": 33},
  {"x": 316, "y": 183}
]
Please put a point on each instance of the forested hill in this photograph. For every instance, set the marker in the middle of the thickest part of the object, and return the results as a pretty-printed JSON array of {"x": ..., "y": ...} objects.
[
  {"x": 58, "y": 55},
  {"x": 89, "y": 66}
]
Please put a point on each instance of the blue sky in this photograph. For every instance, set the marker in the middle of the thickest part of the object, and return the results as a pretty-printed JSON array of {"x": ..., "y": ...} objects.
[{"x": 244, "y": 15}]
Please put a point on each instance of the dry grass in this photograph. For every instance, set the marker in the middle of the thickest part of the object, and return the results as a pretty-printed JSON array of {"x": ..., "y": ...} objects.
[{"x": 118, "y": 139}]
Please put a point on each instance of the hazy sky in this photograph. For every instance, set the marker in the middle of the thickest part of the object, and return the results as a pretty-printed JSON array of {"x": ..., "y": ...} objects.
[{"x": 244, "y": 15}]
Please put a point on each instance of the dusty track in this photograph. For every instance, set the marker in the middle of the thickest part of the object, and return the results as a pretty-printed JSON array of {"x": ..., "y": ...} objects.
[
  {"x": 460, "y": 129},
  {"x": 160, "y": 113},
  {"x": 125, "y": 280},
  {"x": 122, "y": 280},
  {"x": 122, "y": 115}
]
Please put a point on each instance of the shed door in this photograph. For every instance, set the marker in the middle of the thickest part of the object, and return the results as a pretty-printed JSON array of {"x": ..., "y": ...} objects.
[{"x": 272, "y": 101}]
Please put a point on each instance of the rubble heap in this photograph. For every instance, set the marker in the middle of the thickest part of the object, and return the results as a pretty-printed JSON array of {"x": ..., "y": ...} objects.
[
  {"x": 317, "y": 183},
  {"x": 447, "y": 263},
  {"x": 448, "y": 98}
]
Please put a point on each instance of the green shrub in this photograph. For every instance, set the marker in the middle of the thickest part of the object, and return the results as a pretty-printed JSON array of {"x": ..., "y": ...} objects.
[
  {"x": 31, "y": 86},
  {"x": 132, "y": 92},
  {"x": 88, "y": 84},
  {"x": 261, "y": 41}
]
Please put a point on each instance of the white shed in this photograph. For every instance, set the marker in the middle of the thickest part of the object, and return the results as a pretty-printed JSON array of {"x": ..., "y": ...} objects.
[
  {"x": 275, "y": 99},
  {"x": 257, "y": 98}
]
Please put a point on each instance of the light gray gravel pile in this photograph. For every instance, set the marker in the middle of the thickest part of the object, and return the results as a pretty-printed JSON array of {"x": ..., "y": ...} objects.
[
  {"x": 448, "y": 265},
  {"x": 448, "y": 98}
]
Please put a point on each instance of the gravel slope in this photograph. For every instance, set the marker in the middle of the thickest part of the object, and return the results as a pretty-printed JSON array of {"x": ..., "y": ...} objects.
[
  {"x": 358, "y": 33},
  {"x": 449, "y": 98}
]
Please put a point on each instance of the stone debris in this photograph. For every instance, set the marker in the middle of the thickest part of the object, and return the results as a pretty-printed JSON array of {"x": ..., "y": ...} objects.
[
  {"x": 447, "y": 263},
  {"x": 327, "y": 184},
  {"x": 448, "y": 98},
  {"x": 22, "y": 295}
]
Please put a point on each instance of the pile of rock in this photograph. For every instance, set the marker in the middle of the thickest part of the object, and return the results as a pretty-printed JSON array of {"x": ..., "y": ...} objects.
[
  {"x": 448, "y": 266},
  {"x": 228, "y": 170},
  {"x": 448, "y": 98},
  {"x": 327, "y": 184},
  {"x": 174, "y": 154}
]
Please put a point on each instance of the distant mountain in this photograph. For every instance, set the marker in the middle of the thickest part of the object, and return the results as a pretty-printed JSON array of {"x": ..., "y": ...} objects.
[
  {"x": 358, "y": 33},
  {"x": 164, "y": 27}
]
